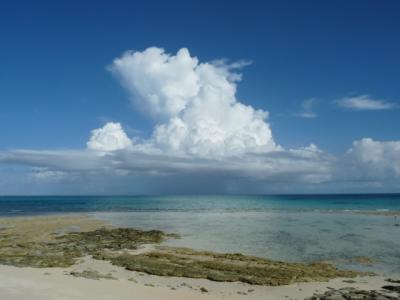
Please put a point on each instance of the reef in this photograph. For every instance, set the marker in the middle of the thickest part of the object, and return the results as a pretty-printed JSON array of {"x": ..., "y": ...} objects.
[
  {"x": 90, "y": 274},
  {"x": 355, "y": 294},
  {"x": 54, "y": 246},
  {"x": 63, "y": 250},
  {"x": 183, "y": 262}
]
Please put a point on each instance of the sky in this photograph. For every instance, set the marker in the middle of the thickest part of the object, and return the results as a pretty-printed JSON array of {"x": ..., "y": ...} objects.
[{"x": 128, "y": 97}]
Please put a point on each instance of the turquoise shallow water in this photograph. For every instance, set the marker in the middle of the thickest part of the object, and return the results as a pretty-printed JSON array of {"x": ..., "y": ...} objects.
[
  {"x": 290, "y": 228},
  {"x": 288, "y": 236}
]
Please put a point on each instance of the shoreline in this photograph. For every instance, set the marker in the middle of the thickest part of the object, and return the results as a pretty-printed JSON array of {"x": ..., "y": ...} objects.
[
  {"x": 58, "y": 283},
  {"x": 99, "y": 279}
]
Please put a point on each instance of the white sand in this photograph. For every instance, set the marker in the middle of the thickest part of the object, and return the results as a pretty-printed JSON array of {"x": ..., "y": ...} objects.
[{"x": 58, "y": 284}]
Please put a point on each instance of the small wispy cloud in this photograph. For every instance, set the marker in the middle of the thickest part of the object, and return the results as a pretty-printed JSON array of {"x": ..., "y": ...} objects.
[
  {"x": 365, "y": 102},
  {"x": 307, "y": 107}
]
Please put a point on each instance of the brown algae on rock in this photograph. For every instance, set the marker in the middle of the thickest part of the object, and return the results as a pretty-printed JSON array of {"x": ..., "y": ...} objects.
[
  {"x": 183, "y": 262},
  {"x": 349, "y": 293},
  {"x": 49, "y": 248},
  {"x": 63, "y": 250},
  {"x": 91, "y": 274}
]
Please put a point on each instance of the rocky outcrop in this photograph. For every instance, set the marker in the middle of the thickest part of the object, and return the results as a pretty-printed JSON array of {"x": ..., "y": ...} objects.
[
  {"x": 63, "y": 250},
  {"x": 184, "y": 262},
  {"x": 355, "y": 294}
]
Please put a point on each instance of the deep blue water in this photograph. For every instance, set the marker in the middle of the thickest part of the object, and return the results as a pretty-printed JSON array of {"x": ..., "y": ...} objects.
[
  {"x": 28, "y": 205},
  {"x": 300, "y": 228}
]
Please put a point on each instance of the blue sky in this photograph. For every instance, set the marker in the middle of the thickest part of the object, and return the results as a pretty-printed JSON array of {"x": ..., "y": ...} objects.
[{"x": 55, "y": 85}]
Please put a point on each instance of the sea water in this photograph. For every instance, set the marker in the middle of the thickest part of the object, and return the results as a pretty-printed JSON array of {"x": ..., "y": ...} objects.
[{"x": 298, "y": 228}]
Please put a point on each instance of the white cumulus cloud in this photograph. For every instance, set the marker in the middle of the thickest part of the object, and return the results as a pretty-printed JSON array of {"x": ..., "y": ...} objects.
[
  {"x": 160, "y": 84},
  {"x": 194, "y": 104},
  {"x": 377, "y": 159},
  {"x": 110, "y": 137},
  {"x": 365, "y": 102}
]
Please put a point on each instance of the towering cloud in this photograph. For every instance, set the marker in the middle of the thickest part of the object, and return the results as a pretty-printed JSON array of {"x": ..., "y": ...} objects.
[{"x": 193, "y": 104}]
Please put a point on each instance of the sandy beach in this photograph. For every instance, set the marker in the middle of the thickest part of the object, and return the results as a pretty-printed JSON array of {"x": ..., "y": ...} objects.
[
  {"x": 90, "y": 278},
  {"x": 57, "y": 283}
]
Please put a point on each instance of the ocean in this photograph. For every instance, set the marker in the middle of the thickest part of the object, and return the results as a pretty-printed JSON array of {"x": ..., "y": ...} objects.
[{"x": 342, "y": 229}]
